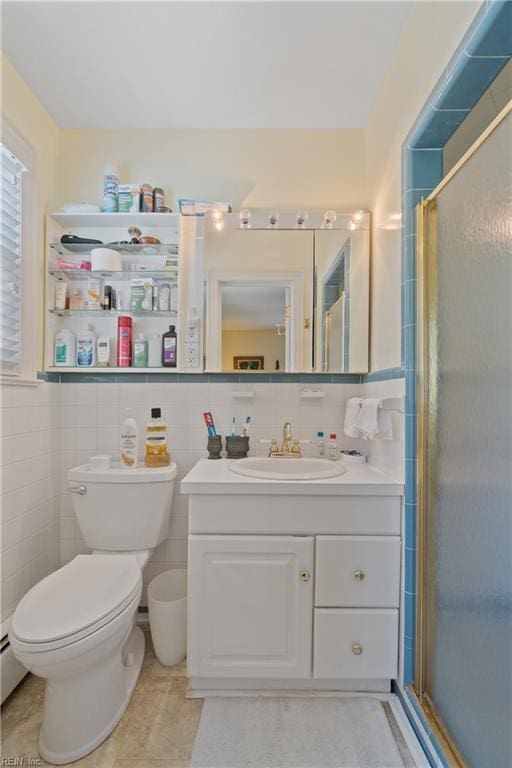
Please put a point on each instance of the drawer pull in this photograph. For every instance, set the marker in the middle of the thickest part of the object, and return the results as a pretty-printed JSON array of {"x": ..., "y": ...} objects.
[
  {"x": 304, "y": 575},
  {"x": 357, "y": 649},
  {"x": 359, "y": 575}
]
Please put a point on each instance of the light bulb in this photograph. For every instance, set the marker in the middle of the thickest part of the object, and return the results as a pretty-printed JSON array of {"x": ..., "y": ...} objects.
[
  {"x": 273, "y": 219},
  {"x": 329, "y": 219},
  {"x": 358, "y": 216},
  {"x": 216, "y": 215},
  {"x": 245, "y": 219},
  {"x": 302, "y": 217},
  {"x": 219, "y": 225}
]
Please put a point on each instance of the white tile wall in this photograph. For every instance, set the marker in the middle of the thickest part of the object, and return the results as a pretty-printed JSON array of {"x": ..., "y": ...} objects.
[
  {"x": 91, "y": 415},
  {"x": 50, "y": 428},
  {"x": 388, "y": 455},
  {"x": 29, "y": 431}
]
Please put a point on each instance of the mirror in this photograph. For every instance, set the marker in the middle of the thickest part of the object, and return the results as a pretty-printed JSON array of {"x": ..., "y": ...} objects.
[
  {"x": 259, "y": 297},
  {"x": 342, "y": 301},
  {"x": 287, "y": 300}
]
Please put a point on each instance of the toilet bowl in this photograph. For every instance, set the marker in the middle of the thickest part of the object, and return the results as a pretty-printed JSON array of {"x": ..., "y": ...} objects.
[{"x": 76, "y": 627}]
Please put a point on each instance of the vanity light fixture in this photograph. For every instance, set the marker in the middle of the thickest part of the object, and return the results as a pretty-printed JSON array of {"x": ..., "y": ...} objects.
[
  {"x": 302, "y": 217},
  {"x": 273, "y": 220},
  {"x": 245, "y": 218},
  {"x": 358, "y": 216},
  {"x": 329, "y": 220}
]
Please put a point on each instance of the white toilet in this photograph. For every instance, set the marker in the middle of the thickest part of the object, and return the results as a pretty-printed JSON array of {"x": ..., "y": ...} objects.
[{"x": 77, "y": 627}]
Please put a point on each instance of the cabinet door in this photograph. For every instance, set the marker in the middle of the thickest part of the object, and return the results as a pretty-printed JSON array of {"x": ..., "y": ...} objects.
[
  {"x": 358, "y": 571},
  {"x": 356, "y": 643},
  {"x": 250, "y": 606}
]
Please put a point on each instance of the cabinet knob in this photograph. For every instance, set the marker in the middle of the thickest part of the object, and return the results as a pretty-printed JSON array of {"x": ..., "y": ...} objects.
[
  {"x": 304, "y": 575},
  {"x": 357, "y": 649},
  {"x": 359, "y": 575}
]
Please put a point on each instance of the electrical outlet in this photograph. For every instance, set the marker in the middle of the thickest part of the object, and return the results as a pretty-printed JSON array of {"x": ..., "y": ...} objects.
[
  {"x": 191, "y": 355},
  {"x": 192, "y": 333}
]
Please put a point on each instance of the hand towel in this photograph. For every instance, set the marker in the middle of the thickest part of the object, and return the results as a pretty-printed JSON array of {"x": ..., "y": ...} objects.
[
  {"x": 367, "y": 421},
  {"x": 385, "y": 425},
  {"x": 351, "y": 414}
]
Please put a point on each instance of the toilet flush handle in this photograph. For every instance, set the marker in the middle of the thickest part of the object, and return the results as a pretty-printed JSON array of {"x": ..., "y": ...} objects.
[{"x": 80, "y": 489}]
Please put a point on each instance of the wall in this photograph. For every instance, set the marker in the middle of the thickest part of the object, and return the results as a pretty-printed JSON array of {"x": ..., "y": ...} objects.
[
  {"x": 257, "y": 342},
  {"x": 311, "y": 169},
  {"x": 91, "y": 414},
  {"x": 432, "y": 34},
  {"x": 30, "y": 488}
]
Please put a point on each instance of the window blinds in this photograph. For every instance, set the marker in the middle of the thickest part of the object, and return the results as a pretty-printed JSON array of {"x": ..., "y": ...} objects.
[{"x": 10, "y": 265}]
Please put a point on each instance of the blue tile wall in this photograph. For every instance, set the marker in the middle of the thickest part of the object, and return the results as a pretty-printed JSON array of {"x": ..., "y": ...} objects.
[
  {"x": 201, "y": 378},
  {"x": 483, "y": 52}
]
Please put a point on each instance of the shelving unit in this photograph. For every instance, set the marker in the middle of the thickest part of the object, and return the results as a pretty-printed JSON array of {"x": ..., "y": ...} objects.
[{"x": 162, "y": 262}]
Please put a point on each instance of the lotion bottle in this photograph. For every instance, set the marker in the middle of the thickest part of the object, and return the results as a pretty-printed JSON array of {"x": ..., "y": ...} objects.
[
  {"x": 129, "y": 441},
  {"x": 332, "y": 451}
]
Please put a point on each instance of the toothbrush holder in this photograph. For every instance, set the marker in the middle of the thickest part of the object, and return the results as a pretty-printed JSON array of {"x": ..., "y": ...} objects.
[
  {"x": 237, "y": 446},
  {"x": 214, "y": 447}
]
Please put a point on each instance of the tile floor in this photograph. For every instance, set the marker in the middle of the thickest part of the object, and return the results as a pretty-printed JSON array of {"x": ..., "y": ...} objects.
[{"x": 156, "y": 731}]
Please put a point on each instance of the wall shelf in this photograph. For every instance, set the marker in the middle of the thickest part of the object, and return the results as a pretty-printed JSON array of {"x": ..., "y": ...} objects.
[
  {"x": 112, "y": 312},
  {"x": 144, "y": 249},
  {"x": 109, "y": 369},
  {"x": 123, "y": 220},
  {"x": 169, "y": 273}
]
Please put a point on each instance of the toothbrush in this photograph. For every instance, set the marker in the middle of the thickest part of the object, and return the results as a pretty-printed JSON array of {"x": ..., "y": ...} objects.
[
  {"x": 247, "y": 425},
  {"x": 233, "y": 426}
]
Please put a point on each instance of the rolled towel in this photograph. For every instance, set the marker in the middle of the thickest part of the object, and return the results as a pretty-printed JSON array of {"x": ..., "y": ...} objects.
[
  {"x": 351, "y": 415},
  {"x": 367, "y": 421}
]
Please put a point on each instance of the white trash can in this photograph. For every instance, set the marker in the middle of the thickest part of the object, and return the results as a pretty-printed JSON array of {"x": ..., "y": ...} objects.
[{"x": 167, "y": 603}]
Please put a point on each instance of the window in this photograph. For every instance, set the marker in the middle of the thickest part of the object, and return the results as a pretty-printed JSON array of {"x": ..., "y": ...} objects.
[
  {"x": 17, "y": 262},
  {"x": 10, "y": 266}
]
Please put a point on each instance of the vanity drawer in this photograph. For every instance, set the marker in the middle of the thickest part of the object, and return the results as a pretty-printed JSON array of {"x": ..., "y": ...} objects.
[
  {"x": 358, "y": 571},
  {"x": 356, "y": 643}
]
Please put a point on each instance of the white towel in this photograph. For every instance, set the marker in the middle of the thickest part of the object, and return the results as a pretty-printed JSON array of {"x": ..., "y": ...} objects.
[
  {"x": 367, "y": 421},
  {"x": 385, "y": 425},
  {"x": 351, "y": 415}
]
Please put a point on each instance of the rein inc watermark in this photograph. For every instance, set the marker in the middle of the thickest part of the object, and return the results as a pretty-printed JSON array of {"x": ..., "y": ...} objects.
[{"x": 20, "y": 760}]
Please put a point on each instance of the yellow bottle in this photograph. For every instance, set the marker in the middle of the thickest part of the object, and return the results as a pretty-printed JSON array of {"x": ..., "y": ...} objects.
[{"x": 156, "y": 441}]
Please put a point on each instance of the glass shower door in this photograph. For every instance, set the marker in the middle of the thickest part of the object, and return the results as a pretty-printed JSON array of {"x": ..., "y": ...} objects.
[{"x": 464, "y": 669}]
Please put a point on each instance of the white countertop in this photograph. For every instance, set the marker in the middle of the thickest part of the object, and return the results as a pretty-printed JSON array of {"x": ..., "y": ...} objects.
[{"x": 214, "y": 477}]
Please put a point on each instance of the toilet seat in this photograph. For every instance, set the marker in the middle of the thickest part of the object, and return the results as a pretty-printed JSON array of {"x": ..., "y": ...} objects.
[{"x": 75, "y": 601}]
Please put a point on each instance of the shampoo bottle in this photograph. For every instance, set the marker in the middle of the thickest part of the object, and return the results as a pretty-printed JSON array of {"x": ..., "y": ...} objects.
[
  {"x": 129, "y": 441},
  {"x": 86, "y": 347},
  {"x": 65, "y": 348}
]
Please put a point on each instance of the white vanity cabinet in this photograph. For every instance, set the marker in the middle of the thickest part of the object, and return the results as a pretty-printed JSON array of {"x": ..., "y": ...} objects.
[
  {"x": 292, "y": 585},
  {"x": 250, "y": 613}
]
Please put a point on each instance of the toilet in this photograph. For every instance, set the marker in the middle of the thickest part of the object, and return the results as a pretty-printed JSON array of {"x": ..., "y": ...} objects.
[{"x": 76, "y": 627}]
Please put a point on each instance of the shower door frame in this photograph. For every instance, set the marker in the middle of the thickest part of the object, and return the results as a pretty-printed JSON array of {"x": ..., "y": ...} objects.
[{"x": 427, "y": 400}]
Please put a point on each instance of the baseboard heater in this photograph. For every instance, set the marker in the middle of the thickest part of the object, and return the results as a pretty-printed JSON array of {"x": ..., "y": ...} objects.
[{"x": 12, "y": 671}]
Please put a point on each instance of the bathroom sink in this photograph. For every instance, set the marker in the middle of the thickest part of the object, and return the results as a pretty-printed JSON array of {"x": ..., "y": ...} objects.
[{"x": 287, "y": 469}]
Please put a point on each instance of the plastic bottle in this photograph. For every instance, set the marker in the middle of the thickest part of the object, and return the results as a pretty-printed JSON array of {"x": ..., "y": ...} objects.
[
  {"x": 320, "y": 442},
  {"x": 103, "y": 353},
  {"x": 124, "y": 341},
  {"x": 157, "y": 454},
  {"x": 128, "y": 443},
  {"x": 65, "y": 348},
  {"x": 169, "y": 348},
  {"x": 332, "y": 451},
  {"x": 140, "y": 352},
  {"x": 155, "y": 351},
  {"x": 86, "y": 347},
  {"x": 111, "y": 189}
]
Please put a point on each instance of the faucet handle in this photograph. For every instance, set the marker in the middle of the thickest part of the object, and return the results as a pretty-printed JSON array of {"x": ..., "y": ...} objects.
[{"x": 274, "y": 448}]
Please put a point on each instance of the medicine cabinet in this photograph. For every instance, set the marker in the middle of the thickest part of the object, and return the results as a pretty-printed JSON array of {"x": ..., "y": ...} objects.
[
  {"x": 166, "y": 264},
  {"x": 287, "y": 299}
]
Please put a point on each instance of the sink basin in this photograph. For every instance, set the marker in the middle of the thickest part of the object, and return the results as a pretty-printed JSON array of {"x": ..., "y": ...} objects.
[{"x": 287, "y": 469}]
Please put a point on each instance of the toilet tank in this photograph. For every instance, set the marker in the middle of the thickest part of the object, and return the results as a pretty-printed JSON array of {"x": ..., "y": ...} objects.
[{"x": 122, "y": 509}]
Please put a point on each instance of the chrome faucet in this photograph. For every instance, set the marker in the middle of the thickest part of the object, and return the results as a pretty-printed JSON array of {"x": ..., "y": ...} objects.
[{"x": 290, "y": 448}]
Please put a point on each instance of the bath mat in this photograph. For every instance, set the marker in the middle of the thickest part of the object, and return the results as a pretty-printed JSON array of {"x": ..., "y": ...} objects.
[{"x": 261, "y": 732}]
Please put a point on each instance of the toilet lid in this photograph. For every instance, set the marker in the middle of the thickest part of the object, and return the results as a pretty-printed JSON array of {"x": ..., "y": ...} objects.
[{"x": 78, "y": 596}]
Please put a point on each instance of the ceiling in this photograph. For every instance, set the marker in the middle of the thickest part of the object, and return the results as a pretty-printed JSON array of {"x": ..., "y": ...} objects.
[
  {"x": 254, "y": 308},
  {"x": 204, "y": 65}
]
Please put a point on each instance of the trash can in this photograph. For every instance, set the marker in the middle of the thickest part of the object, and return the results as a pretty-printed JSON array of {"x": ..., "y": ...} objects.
[{"x": 167, "y": 603}]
